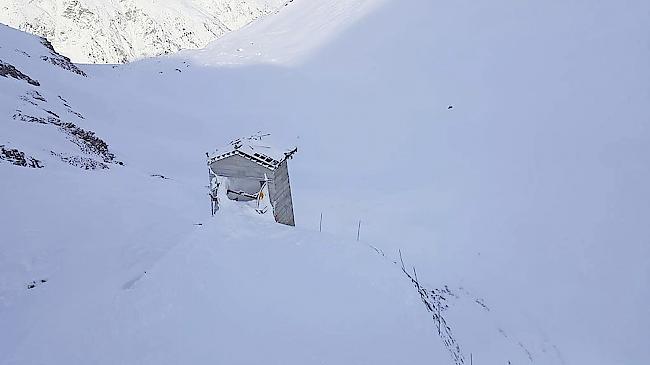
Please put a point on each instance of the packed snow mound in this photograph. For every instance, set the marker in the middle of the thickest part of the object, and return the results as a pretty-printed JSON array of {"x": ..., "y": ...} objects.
[
  {"x": 91, "y": 31},
  {"x": 235, "y": 290},
  {"x": 157, "y": 280}
]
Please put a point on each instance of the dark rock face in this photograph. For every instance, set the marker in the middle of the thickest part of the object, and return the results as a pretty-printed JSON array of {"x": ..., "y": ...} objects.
[
  {"x": 7, "y": 70},
  {"x": 36, "y": 109},
  {"x": 81, "y": 162},
  {"x": 87, "y": 142},
  {"x": 18, "y": 158},
  {"x": 59, "y": 60},
  {"x": 33, "y": 97},
  {"x": 64, "y": 63},
  {"x": 30, "y": 119}
]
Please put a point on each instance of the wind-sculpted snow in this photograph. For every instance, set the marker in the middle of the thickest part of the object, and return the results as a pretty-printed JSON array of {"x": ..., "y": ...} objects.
[{"x": 91, "y": 31}]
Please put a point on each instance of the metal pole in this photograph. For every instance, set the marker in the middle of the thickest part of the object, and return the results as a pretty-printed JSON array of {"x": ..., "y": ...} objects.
[{"x": 320, "y": 225}]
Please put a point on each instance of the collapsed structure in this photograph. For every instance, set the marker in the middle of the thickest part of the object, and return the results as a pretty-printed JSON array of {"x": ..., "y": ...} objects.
[{"x": 247, "y": 170}]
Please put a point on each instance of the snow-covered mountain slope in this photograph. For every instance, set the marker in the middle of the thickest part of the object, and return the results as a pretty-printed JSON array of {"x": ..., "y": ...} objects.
[
  {"x": 122, "y": 262},
  {"x": 522, "y": 207},
  {"x": 125, "y": 263},
  {"x": 277, "y": 41},
  {"x": 42, "y": 125},
  {"x": 90, "y": 31}
]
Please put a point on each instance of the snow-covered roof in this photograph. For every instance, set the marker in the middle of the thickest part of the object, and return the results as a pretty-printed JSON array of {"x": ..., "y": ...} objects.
[{"x": 255, "y": 149}]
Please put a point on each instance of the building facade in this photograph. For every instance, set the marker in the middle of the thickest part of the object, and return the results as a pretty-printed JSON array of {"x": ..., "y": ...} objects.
[{"x": 245, "y": 167}]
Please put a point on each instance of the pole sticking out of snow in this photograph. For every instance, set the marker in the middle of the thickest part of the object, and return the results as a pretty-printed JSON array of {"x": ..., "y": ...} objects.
[
  {"x": 320, "y": 225},
  {"x": 358, "y": 230},
  {"x": 401, "y": 260}
]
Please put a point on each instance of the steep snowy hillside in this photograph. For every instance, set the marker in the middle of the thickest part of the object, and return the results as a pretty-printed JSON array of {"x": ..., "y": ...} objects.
[
  {"x": 123, "y": 262},
  {"x": 42, "y": 126},
  {"x": 122, "y": 259},
  {"x": 501, "y": 146},
  {"x": 90, "y": 31}
]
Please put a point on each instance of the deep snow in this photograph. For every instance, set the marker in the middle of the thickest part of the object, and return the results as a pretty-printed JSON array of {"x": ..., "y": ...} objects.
[{"x": 530, "y": 193}]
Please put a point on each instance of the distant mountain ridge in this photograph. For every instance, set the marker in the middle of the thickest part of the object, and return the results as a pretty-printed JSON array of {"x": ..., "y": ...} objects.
[{"x": 119, "y": 31}]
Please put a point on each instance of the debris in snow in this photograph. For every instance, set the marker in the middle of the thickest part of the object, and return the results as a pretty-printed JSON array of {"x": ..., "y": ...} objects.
[
  {"x": 438, "y": 301},
  {"x": 160, "y": 176},
  {"x": 450, "y": 107},
  {"x": 36, "y": 283},
  {"x": 480, "y": 302},
  {"x": 23, "y": 53}
]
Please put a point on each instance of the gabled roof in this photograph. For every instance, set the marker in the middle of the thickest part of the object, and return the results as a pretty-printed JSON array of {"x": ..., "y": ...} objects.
[{"x": 254, "y": 149}]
